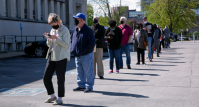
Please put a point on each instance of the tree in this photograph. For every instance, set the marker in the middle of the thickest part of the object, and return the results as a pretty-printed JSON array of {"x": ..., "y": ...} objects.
[
  {"x": 90, "y": 13},
  {"x": 132, "y": 24},
  {"x": 177, "y": 14}
]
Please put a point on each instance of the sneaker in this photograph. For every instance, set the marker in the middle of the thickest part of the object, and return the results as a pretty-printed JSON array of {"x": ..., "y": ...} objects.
[
  {"x": 158, "y": 55},
  {"x": 150, "y": 60},
  {"x": 57, "y": 102},
  {"x": 111, "y": 71},
  {"x": 87, "y": 90},
  {"x": 129, "y": 67},
  {"x": 117, "y": 72},
  {"x": 79, "y": 89},
  {"x": 101, "y": 77},
  {"x": 49, "y": 100},
  {"x": 137, "y": 63}
]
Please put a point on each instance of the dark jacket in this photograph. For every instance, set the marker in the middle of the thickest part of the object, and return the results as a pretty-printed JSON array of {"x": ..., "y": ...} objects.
[
  {"x": 82, "y": 42},
  {"x": 144, "y": 35},
  {"x": 151, "y": 32},
  {"x": 98, "y": 31},
  {"x": 157, "y": 35},
  {"x": 116, "y": 34}
]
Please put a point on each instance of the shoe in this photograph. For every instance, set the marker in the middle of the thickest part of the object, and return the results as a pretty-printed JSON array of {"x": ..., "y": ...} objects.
[
  {"x": 137, "y": 63},
  {"x": 111, "y": 71},
  {"x": 101, "y": 77},
  {"x": 79, "y": 89},
  {"x": 150, "y": 60},
  {"x": 57, "y": 102},
  {"x": 129, "y": 67},
  {"x": 117, "y": 72},
  {"x": 144, "y": 64},
  {"x": 49, "y": 100},
  {"x": 158, "y": 55},
  {"x": 87, "y": 90},
  {"x": 121, "y": 67}
]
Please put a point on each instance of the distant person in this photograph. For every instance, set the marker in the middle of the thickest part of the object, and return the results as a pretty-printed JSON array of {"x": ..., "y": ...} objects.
[
  {"x": 156, "y": 36},
  {"x": 113, "y": 35},
  {"x": 126, "y": 38},
  {"x": 140, "y": 36},
  {"x": 167, "y": 36},
  {"x": 82, "y": 46},
  {"x": 58, "y": 54},
  {"x": 161, "y": 39},
  {"x": 98, "y": 31},
  {"x": 150, "y": 31}
]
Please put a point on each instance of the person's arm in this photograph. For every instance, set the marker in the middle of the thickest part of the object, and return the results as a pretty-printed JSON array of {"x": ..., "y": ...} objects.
[
  {"x": 131, "y": 34},
  {"x": 64, "y": 39},
  {"x": 146, "y": 37},
  {"x": 106, "y": 34},
  {"x": 120, "y": 36},
  {"x": 49, "y": 41},
  {"x": 90, "y": 41},
  {"x": 101, "y": 36}
]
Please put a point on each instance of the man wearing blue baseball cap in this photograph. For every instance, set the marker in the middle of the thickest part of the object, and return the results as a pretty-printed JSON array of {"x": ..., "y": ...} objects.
[{"x": 82, "y": 45}]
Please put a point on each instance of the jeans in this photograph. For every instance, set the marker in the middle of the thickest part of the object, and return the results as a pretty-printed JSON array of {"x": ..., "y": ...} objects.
[
  {"x": 85, "y": 71},
  {"x": 128, "y": 57},
  {"x": 114, "y": 54},
  {"x": 150, "y": 47}
]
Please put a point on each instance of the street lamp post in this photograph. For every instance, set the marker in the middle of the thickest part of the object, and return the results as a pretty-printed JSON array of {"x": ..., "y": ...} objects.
[{"x": 181, "y": 35}]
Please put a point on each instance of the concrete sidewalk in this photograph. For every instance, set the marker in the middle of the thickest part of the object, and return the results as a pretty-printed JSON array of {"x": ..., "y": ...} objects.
[
  {"x": 11, "y": 54},
  {"x": 172, "y": 80}
]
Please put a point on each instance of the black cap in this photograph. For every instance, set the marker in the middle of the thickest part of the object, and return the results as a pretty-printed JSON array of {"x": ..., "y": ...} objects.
[
  {"x": 112, "y": 23},
  {"x": 145, "y": 17}
]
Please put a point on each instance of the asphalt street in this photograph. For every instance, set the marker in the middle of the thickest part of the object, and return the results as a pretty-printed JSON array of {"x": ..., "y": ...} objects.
[{"x": 172, "y": 80}]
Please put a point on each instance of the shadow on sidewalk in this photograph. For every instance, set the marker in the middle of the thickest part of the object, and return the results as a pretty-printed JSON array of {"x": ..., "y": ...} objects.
[
  {"x": 150, "y": 69},
  {"x": 159, "y": 65},
  {"x": 120, "y": 94},
  {"x": 141, "y": 74},
  {"x": 169, "y": 62},
  {"x": 125, "y": 80},
  {"x": 74, "y": 105}
]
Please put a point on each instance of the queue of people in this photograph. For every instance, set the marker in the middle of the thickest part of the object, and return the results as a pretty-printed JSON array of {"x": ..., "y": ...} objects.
[{"x": 86, "y": 44}]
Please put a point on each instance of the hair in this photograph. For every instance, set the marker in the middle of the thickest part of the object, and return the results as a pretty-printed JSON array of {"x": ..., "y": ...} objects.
[
  {"x": 144, "y": 18},
  {"x": 155, "y": 26},
  {"x": 123, "y": 18},
  {"x": 112, "y": 23},
  {"x": 53, "y": 18},
  {"x": 96, "y": 18},
  {"x": 140, "y": 24}
]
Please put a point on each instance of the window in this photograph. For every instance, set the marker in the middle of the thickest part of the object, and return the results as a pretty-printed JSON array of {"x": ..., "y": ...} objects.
[
  {"x": 42, "y": 9},
  {"x": 61, "y": 10},
  {"x": 5, "y": 8},
  {"x": 136, "y": 14},
  {"x": 34, "y": 7},
  {"x": 25, "y": 9},
  {"x": 16, "y": 8}
]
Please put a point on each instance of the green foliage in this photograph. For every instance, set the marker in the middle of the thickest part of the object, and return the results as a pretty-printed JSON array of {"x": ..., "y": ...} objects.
[
  {"x": 177, "y": 14},
  {"x": 196, "y": 33},
  {"x": 103, "y": 21},
  {"x": 90, "y": 13}
]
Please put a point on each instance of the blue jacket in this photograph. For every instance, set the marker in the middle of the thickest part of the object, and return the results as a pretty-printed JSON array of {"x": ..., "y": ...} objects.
[{"x": 82, "y": 42}]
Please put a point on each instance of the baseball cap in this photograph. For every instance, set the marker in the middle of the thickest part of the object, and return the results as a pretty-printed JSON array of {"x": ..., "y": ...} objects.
[
  {"x": 157, "y": 25},
  {"x": 80, "y": 15}
]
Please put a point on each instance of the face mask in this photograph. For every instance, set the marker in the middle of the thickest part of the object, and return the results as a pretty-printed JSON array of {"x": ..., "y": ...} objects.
[
  {"x": 122, "y": 22},
  {"x": 76, "y": 22},
  {"x": 113, "y": 29},
  {"x": 95, "y": 21},
  {"x": 55, "y": 27}
]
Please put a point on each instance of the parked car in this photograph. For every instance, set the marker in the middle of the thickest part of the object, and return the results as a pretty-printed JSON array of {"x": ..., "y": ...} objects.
[
  {"x": 38, "y": 48},
  {"x": 173, "y": 37}
]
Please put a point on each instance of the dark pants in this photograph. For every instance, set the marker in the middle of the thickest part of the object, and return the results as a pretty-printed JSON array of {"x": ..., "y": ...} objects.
[
  {"x": 60, "y": 68},
  {"x": 140, "y": 51},
  {"x": 162, "y": 42}
]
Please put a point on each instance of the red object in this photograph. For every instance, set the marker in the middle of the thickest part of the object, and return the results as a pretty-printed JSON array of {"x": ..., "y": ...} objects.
[{"x": 189, "y": 39}]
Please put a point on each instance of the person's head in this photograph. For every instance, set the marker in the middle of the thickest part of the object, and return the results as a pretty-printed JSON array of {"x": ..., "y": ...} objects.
[
  {"x": 158, "y": 26},
  {"x": 139, "y": 26},
  {"x": 144, "y": 19},
  {"x": 155, "y": 26},
  {"x": 95, "y": 20},
  {"x": 166, "y": 26},
  {"x": 112, "y": 24},
  {"x": 54, "y": 21},
  {"x": 123, "y": 21},
  {"x": 79, "y": 19}
]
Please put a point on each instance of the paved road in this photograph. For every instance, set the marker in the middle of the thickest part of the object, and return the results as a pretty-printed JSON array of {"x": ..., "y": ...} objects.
[{"x": 170, "y": 81}]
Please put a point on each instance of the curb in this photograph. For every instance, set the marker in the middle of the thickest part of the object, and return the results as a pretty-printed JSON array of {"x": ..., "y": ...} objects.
[{"x": 9, "y": 57}]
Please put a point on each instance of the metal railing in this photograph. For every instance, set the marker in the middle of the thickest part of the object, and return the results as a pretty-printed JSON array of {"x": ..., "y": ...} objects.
[{"x": 7, "y": 41}]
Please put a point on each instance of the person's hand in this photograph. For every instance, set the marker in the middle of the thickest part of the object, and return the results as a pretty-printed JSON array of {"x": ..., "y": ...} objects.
[
  {"x": 46, "y": 36},
  {"x": 53, "y": 37},
  {"x": 110, "y": 37}
]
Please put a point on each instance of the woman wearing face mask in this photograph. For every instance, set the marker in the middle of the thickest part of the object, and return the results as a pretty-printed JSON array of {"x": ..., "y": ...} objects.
[
  {"x": 113, "y": 35},
  {"x": 58, "y": 54},
  {"x": 140, "y": 36}
]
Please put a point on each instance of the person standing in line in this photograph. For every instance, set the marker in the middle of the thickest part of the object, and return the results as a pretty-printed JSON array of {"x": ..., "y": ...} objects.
[
  {"x": 140, "y": 36},
  {"x": 98, "y": 31},
  {"x": 126, "y": 38},
  {"x": 82, "y": 46},
  {"x": 157, "y": 35},
  {"x": 58, "y": 54},
  {"x": 167, "y": 36},
  {"x": 161, "y": 38},
  {"x": 113, "y": 35},
  {"x": 150, "y": 31}
]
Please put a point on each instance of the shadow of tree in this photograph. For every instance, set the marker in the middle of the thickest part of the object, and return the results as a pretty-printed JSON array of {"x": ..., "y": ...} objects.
[
  {"x": 141, "y": 74},
  {"x": 74, "y": 105},
  {"x": 150, "y": 69},
  {"x": 120, "y": 94},
  {"x": 125, "y": 80}
]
